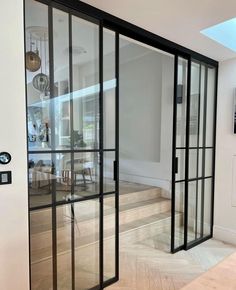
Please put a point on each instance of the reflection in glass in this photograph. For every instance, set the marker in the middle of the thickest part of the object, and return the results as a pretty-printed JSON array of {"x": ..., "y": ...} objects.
[
  {"x": 210, "y": 106},
  {"x": 37, "y": 81},
  {"x": 207, "y": 206},
  {"x": 181, "y": 102},
  {"x": 192, "y": 163},
  {"x": 61, "y": 102},
  {"x": 194, "y": 210},
  {"x": 85, "y": 50},
  {"x": 194, "y": 104},
  {"x": 86, "y": 215},
  {"x": 109, "y": 182},
  {"x": 40, "y": 179},
  {"x": 109, "y": 236},
  {"x": 41, "y": 249},
  {"x": 109, "y": 86},
  {"x": 86, "y": 174},
  {"x": 180, "y": 154},
  {"x": 64, "y": 217},
  {"x": 179, "y": 214}
]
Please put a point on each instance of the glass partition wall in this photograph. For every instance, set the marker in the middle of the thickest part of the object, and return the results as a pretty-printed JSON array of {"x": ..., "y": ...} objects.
[
  {"x": 72, "y": 82},
  {"x": 193, "y": 153},
  {"x": 73, "y": 205}
]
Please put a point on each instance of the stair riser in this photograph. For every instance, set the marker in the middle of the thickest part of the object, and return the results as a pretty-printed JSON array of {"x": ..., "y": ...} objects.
[{"x": 134, "y": 197}]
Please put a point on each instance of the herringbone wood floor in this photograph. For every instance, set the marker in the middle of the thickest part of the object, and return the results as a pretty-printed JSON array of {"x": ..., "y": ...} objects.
[{"x": 145, "y": 267}]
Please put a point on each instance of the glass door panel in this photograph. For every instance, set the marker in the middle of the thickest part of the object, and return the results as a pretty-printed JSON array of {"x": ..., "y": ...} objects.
[
  {"x": 201, "y": 150},
  {"x": 193, "y": 174},
  {"x": 72, "y": 98}
]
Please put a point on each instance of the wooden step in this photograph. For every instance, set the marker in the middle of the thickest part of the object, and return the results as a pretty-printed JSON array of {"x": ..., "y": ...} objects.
[{"x": 132, "y": 197}]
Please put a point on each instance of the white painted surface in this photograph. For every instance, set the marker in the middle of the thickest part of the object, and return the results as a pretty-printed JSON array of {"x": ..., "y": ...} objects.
[
  {"x": 180, "y": 21},
  {"x": 225, "y": 212},
  {"x": 146, "y": 116},
  {"x": 14, "y": 260}
]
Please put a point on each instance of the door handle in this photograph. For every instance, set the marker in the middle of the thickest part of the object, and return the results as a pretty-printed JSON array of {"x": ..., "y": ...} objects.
[
  {"x": 176, "y": 165},
  {"x": 115, "y": 170}
]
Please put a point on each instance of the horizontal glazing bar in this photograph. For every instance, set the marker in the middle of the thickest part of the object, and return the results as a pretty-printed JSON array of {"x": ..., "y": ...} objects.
[{"x": 193, "y": 179}]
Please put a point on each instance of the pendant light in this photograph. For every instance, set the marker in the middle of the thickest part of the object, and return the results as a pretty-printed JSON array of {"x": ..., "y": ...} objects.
[
  {"x": 32, "y": 59},
  {"x": 41, "y": 80}
]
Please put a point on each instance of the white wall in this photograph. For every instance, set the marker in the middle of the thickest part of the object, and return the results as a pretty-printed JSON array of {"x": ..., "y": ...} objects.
[
  {"x": 225, "y": 212},
  {"x": 14, "y": 261},
  {"x": 146, "y": 108}
]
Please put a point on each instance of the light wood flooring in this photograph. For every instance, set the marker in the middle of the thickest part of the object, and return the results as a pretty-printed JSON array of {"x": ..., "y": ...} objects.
[
  {"x": 145, "y": 267},
  {"x": 222, "y": 276}
]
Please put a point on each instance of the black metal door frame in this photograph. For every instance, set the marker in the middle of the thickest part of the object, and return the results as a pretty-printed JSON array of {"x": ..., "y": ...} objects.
[
  {"x": 120, "y": 26},
  {"x": 188, "y": 245}
]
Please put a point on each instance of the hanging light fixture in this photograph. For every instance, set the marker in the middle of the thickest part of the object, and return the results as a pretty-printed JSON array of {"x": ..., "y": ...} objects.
[
  {"x": 41, "y": 80},
  {"x": 33, "y": 61}
]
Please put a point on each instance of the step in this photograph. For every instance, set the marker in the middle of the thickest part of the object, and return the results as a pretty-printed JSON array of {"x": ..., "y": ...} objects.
[
  {"x": 132, "y": 197},
  {"x": 134, "y": 231}
]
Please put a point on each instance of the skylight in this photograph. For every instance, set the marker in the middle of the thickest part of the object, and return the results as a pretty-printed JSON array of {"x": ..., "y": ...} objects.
[{"x": 223, "y": 33}]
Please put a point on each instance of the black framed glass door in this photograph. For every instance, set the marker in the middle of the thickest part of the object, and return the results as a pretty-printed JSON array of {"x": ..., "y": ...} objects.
[
  {"x": 72, "y": 91},
  {"x": 193, "y": 153}
]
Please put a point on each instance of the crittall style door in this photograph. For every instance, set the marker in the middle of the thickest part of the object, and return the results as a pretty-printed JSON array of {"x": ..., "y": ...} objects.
[
  {"x": 193, "y": 152},
  {"x": 72, "y": 90}
]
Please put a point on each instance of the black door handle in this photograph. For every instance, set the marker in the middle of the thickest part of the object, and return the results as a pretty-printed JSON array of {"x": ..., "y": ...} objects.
[{"x": 176, "y": 165}]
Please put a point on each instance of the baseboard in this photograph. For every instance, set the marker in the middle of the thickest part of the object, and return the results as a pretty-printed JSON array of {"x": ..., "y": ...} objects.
[{"x": 224, "y": 234}]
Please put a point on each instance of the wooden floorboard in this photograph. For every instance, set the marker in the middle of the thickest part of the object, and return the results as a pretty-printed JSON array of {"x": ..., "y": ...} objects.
[{"x": 144, "y": 267}]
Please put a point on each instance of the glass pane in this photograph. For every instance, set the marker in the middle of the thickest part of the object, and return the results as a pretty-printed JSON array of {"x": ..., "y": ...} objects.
[
  {"x": 86, "y": 244},
  {"x": 41, "y": 249},
  {"x": 62, "y": 174},
  {"x": 179, "y": 213},
  {"x": 208, "y": 162},
  {"x": 61, "y": 101},
  {"x": 202, "y": 106},
  {"x": 109, "y": 236},
  {"x": 181, "y": 103},
  {"x": 86, "y": 174},
  {"x": 210, "y": 106},
  {"x": 200, "y": 169},
  {"x": 86, "y": 87},
  {"x": 180, "y": 154},
  {"x": 37, "y": 76},
  {"x": 194, "y": 210},
  {"x": 108, "y": 171},
  {"x": 40, "y": 179},
  {"x": 194, "y": 104},
  {"x": 192, "y": 164},
  {"x": 109, "y": 88},
  {"x": 64, "y": 253},
  {"x": 207, "y": 206}
]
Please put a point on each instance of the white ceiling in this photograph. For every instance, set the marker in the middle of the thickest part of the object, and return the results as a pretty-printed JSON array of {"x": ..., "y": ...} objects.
[{"x": 177, "y": 20}]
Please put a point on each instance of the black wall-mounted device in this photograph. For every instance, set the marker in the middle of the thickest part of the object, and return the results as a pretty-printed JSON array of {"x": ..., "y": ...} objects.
[{"x": 5, "y": 177}]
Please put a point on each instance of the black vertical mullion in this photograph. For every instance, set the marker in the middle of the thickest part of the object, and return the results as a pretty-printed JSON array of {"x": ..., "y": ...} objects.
[
  {"x": 174, "y": 154},
  {"x": 204, "y": 150},
  {"x": 101, "y": 247},
  {"x": 187, "y": 154},
  {"x": 72, "y": 153},
  {"x": 198, "y": 132},
  {"x": 117, "y": 71},
  {"x": 52, "y": 118}
]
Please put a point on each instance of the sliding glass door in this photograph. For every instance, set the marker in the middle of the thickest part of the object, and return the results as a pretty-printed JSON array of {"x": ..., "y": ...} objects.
[
  {"x": 72, "y": 117},
  {"x": 194, "y": 151}
]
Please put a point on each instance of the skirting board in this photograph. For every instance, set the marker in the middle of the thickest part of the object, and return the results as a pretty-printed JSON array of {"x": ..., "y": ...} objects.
[{"x": 224, "y": 234}]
